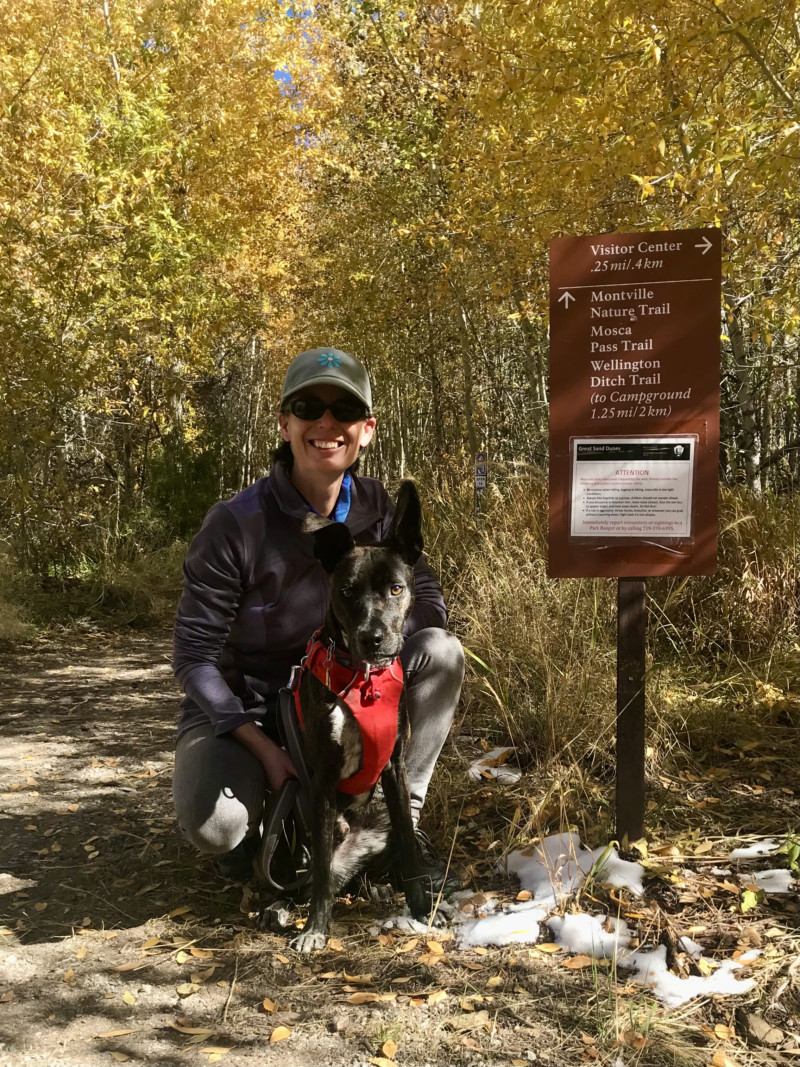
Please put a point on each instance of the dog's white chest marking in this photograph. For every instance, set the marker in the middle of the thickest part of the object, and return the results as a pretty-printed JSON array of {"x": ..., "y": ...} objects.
[{"x": 337, "y": 724}]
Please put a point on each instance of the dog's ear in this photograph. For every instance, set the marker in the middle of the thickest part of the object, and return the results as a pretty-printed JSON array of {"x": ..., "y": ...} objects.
[
  {"x": 332, "y": 540},
  {"x": 405, "y": 533}
]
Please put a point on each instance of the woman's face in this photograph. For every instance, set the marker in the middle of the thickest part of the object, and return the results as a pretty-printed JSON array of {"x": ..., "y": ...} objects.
[{"x": 323, "y": 446}]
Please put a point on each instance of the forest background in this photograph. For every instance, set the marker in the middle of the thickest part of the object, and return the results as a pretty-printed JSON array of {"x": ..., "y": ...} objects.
[{"x": 192, "y": 192}]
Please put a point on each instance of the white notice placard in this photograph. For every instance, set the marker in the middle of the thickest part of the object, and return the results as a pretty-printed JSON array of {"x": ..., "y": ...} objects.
[{"x": 632, "y": 487}]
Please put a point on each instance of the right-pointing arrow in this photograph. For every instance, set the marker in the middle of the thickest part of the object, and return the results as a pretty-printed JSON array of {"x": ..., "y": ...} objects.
[
  {"x": 565, "y": 299},
  {"x": 705, "y": 245}
]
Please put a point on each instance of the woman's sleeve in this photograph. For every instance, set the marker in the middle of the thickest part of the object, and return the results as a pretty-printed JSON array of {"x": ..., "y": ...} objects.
[{"x": 213, "y": 579}]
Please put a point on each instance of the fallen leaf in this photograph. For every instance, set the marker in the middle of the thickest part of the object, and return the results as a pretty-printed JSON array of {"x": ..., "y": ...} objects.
[
  {"x": 524, "y": 894},
  {"x": 116, "y": 1033},
  {"x": 706, "y": 966},
  {"x": 358, "y": 979},
  {"x": 478, "y": 1020},
  {"x": 128, "y": 998},
  {"x": 201, "y": 953},
  {"x": 202, "y": 976},
  {"x": 269, "y": 1005},
  {"x": 724, "y": 1033},
  {"x": 494, "y": 981},
  {"x": 548, "y": 946},
  {"x": 186, "y": 989},
  {"x": 184, "y": 909},
  {"x": 280, "y": 958},
  {"x": 408, "y": 946},
  {"x": 280, "y": 1033},
  {"x": 382, "y": 1061},
  {"x": 587, "y": 1039},
  {"x": 389, "y": 1049},
  {"x": 7, "y": 997},
  {"x": 363, "y": 998},
  {"x": 334, "y": 945},
  {"x": 435, "y": 948},
  {"x": 577, "y": 962},
  {"x": 120, "y": 1057},
  {"x": 436, "y": 996},
  {"x": 701, "y": 849},
  {"x": 183, "y": 1029},
  {"x": 721, "y": 1059},
  {"x": 633, "y": 1039}
]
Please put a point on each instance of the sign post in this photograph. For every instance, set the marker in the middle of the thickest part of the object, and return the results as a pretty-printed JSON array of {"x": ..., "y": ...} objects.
[{"x": 634, "y": 437}]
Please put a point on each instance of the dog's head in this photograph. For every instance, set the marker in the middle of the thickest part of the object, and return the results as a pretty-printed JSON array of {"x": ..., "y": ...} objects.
[{"x": 371, "y": 588}]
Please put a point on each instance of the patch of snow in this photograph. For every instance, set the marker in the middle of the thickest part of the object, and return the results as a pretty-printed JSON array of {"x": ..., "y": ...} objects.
[
  {"x": 650, "y": 970},
  {"x": 777, "y": 881},
  {"x": 692, "y": 947},
  {"x": 560, "y": 863},
  {"x": 503, "y": 773},
  {"x": 750, "y": 955},
  {"x": 585, "y": 934},
  {"x": 759, "y": 848},
  {"x": 505, "y": 928}
]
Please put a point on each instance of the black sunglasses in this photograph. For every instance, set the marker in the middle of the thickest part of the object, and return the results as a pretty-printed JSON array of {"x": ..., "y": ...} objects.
[{"x": 345, "y": 409}]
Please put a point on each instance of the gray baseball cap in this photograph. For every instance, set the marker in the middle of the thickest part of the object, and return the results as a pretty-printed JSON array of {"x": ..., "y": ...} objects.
[{"x": 330, "y": 366}]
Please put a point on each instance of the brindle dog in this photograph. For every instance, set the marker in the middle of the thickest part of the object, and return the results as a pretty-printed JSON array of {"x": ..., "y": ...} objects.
[{"x": 371, "y": 595}]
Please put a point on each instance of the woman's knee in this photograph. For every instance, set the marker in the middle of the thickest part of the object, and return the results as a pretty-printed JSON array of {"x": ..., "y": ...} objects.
[
  {"x": 213, "y": 829},
  {"x": 436, "y": 649}
]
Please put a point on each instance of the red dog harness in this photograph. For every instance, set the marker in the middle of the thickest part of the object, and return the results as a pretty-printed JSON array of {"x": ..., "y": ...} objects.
[{"x": 373, "y": 696}]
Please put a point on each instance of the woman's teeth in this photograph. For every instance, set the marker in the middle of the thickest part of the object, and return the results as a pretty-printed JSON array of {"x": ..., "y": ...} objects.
[{"x": 326, "y": 444}]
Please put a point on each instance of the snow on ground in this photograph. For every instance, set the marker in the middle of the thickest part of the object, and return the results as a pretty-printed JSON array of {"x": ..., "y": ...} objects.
[
  {"x": 759, "y": 848},
  {"x": 494, "y": 763},
  {"x": 560, "y": 864},
  {"x": 776, "y": 881},
  {"x": 551, "y": 872}
]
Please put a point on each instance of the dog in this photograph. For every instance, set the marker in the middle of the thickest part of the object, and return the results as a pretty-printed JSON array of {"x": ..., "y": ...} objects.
[{"x": 371, "y": 595}]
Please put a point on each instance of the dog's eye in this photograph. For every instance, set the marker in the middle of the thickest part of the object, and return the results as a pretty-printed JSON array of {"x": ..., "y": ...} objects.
[
  {"x": 346, "y": 591},
  {"x": 396, "y": 590}
]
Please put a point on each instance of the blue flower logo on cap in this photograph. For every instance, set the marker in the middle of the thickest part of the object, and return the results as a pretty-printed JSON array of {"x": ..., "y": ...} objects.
[{"x": 328, "y": 359}]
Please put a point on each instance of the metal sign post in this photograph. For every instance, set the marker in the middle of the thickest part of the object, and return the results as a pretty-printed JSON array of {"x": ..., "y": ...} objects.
[{"x": 634, "y": 437}]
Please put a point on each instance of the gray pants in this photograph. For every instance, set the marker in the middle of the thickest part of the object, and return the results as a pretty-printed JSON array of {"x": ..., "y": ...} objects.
[{"x": 219, "y": 786}]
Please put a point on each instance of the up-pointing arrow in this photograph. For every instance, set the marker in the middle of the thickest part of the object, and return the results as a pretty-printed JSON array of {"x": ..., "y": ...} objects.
[
  {"x": 705, "y": 245},
  {"x": 565, "y": 299}
]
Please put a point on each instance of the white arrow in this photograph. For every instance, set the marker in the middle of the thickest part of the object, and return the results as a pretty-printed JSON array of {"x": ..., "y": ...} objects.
[
  {"x": 565, "y": 299},
  {"x": 705, "y": 246}
]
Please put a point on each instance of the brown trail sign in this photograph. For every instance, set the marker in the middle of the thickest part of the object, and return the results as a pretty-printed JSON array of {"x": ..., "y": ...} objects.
[{"x": 634, "y": 436}]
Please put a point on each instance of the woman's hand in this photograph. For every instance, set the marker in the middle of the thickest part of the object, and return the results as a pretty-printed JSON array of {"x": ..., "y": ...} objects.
[
  {"x": 278, "y": 766},
  {"x": 275, "y": 761}
]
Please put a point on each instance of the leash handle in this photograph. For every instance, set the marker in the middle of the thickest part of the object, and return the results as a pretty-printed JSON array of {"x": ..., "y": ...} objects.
[{"x": 279, "y": 806}]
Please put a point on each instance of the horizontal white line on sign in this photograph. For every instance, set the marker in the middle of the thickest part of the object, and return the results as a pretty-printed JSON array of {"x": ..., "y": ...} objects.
[{"x": 621, "y": 285}]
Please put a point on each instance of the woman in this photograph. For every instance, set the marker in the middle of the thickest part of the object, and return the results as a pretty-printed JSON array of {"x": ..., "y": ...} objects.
[{"x": 253, "y": 594}]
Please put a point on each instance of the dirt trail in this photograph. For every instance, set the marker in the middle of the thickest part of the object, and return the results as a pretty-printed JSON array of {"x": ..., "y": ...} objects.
[
  {"x": 120, "y": 944},
  {"x": 109, "y": 916}
]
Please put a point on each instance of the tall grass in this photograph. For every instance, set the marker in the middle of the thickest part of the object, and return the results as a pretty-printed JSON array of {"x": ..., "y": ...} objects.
[{"x": 542, "y": 651}]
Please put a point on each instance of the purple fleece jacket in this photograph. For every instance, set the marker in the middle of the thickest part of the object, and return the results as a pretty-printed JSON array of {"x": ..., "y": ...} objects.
[{"x": 253, "y": 594}]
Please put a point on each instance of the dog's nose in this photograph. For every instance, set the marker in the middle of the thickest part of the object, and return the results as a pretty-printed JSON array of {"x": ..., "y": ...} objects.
[{"x": 372, "y": 638}]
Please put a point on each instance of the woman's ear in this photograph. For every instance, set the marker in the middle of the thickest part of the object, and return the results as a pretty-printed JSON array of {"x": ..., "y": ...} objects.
[{"x": 283, "y": 424}]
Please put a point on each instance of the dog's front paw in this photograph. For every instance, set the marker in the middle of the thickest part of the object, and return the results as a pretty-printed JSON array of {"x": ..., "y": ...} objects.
[
  {"x": 308, "y": 941},
  {"x": 436, "y": 919},
  {"x": 275, "y": 916}
]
